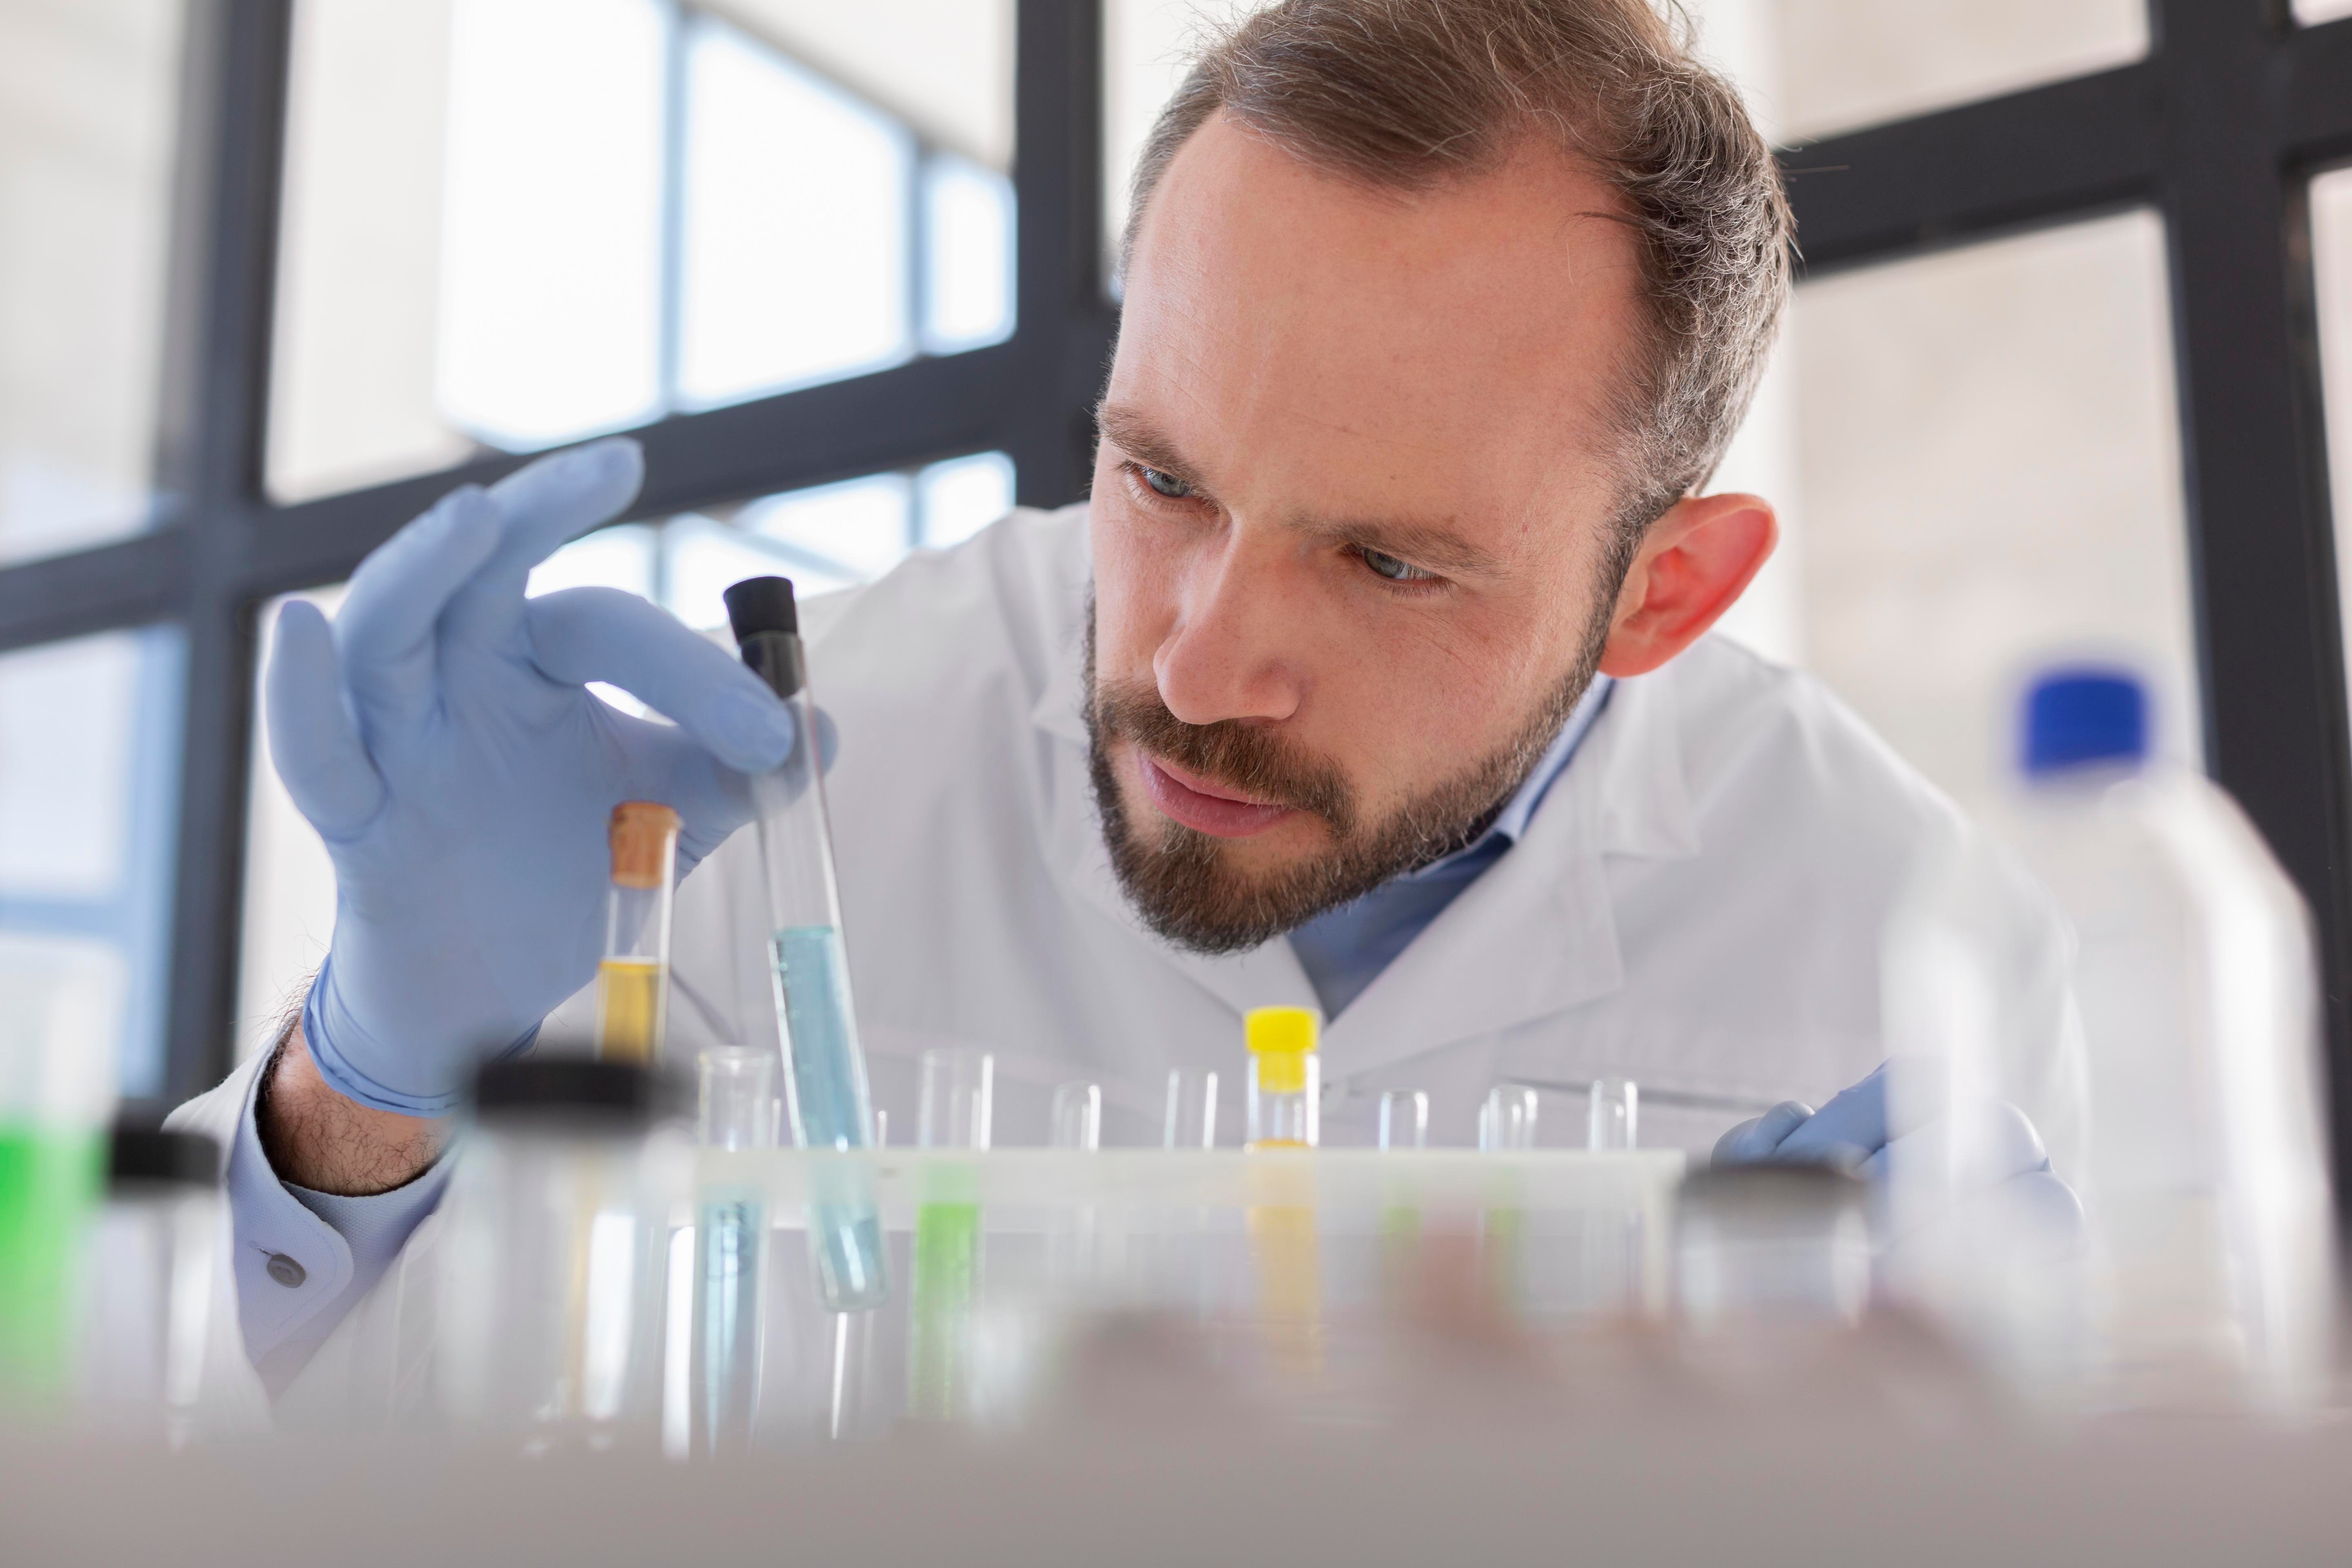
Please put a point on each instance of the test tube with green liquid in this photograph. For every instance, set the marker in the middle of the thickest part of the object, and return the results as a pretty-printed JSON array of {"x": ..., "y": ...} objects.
[
  {"x": 57, "y": 1091},
  {"x": 957, "y": 1113},
  {"x": 825, "y": 1094}
]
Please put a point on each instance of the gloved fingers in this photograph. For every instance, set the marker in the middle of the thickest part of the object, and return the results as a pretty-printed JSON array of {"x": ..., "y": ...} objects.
[
  {"x": 542, "y": 507},
  {"x": 1979, "y": 1145},
  {"x": 1755, "y": 1139},
  {"x": 1852, "y": 1127},
  {"x": 318, "y": 754},
  {"x": 385, "y": 631},
  {"x": 602, "y": 634}
]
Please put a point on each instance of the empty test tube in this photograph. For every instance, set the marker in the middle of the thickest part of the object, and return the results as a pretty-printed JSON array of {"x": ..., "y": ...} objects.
[
  {"x": 1284, "y": 1078},
  {"x": 633, "y": 981},
  {"x": 1190, "y": 1118},
  {"x": 826, "y": 1089},
  {"x": 1613, "y": 1114},
  {"x": 1404, "y": 1120},
  {"x": 738, "y": 1111},
  {"x": 1077, "y": 1116},
  {"x": 1506, "y": 1123}
]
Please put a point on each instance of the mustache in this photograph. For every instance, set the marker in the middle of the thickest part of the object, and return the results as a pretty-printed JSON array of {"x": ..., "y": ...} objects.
[{"x": 1251, "y": 761}]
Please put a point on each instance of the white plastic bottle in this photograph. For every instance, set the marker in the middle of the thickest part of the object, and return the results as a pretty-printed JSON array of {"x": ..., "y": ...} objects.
[{"x": 2162, "y": 1031}]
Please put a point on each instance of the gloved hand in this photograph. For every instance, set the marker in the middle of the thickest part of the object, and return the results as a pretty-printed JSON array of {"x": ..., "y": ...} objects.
[
  {"x": 441, "y": 739},
  {"x": 1851, "y": 1133}
]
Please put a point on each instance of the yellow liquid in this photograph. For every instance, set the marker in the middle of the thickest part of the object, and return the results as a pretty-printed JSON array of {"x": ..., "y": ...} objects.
[{"x": 629, "y": 996}]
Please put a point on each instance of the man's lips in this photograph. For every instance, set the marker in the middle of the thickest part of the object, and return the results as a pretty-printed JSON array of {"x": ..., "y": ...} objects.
[{"x": 1202, "y": 805}]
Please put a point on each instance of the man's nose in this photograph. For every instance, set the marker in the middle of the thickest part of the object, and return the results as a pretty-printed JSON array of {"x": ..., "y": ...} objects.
[{"x": 1231, "y": 653}]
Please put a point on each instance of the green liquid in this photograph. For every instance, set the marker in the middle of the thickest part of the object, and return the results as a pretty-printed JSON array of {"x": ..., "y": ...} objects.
[
  {"x": 49, "y": 1184},
  {"x": 946, "y": 1277}
]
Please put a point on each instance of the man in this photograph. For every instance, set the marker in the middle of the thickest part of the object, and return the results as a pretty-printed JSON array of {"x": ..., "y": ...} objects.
[{"x": 1372, "y": 676}]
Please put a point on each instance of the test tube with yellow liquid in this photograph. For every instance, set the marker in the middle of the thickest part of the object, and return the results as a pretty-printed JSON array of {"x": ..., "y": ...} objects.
[
  {"x": 1284, "y": 1081},
  {"x": 633, "y": 981}
]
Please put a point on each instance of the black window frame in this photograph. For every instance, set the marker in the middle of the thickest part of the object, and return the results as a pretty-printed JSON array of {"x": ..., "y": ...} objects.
[{"x": 2219, "y": 128}]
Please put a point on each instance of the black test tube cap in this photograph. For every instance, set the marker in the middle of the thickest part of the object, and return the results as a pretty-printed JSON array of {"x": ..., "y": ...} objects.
[{"x": 761, "y": 605}]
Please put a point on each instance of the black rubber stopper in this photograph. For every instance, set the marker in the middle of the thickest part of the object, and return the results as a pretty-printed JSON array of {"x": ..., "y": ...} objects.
[
  {"x": 615, "y": 1097},
  {"x": 758, "y": 604},
  {"x": 138, "y": 1153}
]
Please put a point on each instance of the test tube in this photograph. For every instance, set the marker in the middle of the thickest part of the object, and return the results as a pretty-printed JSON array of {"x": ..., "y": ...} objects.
[
  {"x": 825, "y": 1091},
  {"x": 956, "y": 1112},
  {"x": 738, "y": 1112},
  {"x": 1404, "y": 1119},
  {"x": 1283, "y": 1081},
  {"x": 1613, "y": 1114},
  {"x": 632, "y": 982},
  {"x": 1190, "y": 1118},
  {"x": 149, "y": 1294},
  {"x": 1284, "y": 1077},
  {"x": 1506, "y": 1123},
  {"x": 1077, "y": 1116}
]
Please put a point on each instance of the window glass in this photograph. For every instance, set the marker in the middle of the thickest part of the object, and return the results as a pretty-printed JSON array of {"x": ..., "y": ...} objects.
[
  {"x": 770, "y": 229},
  {"x": 2331, "y": 254},
  {"x": 514, "y": 223},
  {"x": 1988, "y": 467},
  {"x": 955, "y": 500},
  {"x": 86, "y": 148},
  {"x": 1849, "y": 63},
  {"x": 1147, "y": 47},
  {"x": 89, "y": 753}
]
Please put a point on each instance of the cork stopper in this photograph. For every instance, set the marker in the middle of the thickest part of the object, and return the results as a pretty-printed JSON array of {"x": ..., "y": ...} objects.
[{"x": 645, "y": 841}]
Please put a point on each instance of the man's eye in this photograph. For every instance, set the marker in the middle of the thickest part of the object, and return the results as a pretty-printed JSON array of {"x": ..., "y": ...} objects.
[
  {"x": 1389, "y": 567},
  {"x": 1168, "y": 485}
]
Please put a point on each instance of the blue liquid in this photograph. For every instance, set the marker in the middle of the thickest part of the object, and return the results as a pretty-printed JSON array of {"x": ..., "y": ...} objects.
[
  {"x": 830, "y": 1111},
  {"x": 730, "y": 1242}
]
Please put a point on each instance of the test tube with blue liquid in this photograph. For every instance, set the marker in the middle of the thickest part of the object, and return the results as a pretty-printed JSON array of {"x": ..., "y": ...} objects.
[
  {"x": 738, "y": 1112},
  {"x": 826, "y": 1094}
]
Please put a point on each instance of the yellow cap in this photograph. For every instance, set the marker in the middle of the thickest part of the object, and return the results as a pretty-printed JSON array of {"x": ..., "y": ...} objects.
[{"x": 1281, "y": 1037}]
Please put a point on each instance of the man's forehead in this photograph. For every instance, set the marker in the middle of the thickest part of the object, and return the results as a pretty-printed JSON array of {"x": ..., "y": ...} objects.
[{"x": 1471, "y": 333}]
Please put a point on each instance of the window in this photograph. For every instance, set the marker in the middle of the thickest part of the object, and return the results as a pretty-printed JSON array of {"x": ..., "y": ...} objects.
[{"x": 514, "y": 223}]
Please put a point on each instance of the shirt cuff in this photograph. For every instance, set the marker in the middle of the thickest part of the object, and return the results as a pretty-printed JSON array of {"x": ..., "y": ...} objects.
[{"x": 303, "y": 1260}]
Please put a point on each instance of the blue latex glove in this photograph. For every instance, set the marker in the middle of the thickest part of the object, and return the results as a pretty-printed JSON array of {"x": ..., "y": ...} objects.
[
  {"x": 1851, "y": 1133},
  {"x": 440, "y": 738}
]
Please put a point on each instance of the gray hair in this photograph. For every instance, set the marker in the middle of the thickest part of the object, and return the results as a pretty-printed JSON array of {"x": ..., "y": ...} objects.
[{"x": 1412, "y": 94}]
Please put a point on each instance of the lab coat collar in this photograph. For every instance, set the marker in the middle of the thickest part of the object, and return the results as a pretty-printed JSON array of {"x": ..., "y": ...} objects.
[{"x": 1533, "y": 937}]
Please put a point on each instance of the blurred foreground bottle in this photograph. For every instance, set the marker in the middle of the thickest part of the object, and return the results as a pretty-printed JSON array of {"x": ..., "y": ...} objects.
[
  {"x": 2181, "y": 1102},
  {"x": 151, "y": 1283},
  {"x": 554, "y": 1267},
  {"x": 56, "y": 1090}
]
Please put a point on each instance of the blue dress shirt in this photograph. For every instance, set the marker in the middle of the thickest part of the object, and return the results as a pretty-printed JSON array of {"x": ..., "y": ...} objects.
[
  {"x": 1344, "y": 951},
  {"x": 304, "y": 1258}
]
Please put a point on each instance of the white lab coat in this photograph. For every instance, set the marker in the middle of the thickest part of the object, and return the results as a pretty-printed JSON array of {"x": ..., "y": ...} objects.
[{"x": 1696, "y": 906}]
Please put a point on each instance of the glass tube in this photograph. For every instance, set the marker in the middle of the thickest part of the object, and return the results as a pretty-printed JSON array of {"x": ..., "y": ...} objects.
[
  {"x": 1284, "y": 1078},
  {"x": 1404, "y": 1120},
  {"x": 1077, "y": 1116},
  {"x": 1506, "y": 1123},
  {"x": 825, "y": 1092},
  {"x": 1189, "y": 1119},
  {"x": 1613, "y": 1114},
  {"x": 150, "y": 1275},
  {"x": 956, "y": 1112},
  {"x": 738, "y": 1103},
  {"x": 633, "y": 981}
]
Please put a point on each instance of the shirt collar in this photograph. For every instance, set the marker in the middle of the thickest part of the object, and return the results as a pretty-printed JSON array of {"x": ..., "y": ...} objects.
[{"x": 1510, "y": 823}]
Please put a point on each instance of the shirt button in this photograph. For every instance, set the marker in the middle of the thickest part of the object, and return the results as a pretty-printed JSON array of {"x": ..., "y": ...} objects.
[{"x": 286, "y": 1272}]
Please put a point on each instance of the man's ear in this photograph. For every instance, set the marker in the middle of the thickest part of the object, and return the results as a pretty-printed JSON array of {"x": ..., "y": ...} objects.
[{"x": 1693, "y": 562}]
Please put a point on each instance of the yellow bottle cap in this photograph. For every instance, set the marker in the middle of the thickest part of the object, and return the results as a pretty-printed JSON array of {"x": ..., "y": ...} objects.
[{"x": 1281, "y": 1038}]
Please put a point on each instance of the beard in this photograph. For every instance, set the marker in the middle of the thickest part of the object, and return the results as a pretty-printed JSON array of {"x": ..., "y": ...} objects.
[{"x": 1182, "y": 882}]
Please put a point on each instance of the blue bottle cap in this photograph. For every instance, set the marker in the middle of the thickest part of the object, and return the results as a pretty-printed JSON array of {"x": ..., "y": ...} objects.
[{"x": 2083, "y": 717}]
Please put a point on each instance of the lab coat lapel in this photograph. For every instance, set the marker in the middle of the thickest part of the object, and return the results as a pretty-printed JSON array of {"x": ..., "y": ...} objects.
[
  {"x": 1267, "y": 976},
  {"x": 1535, "y": 935}
]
